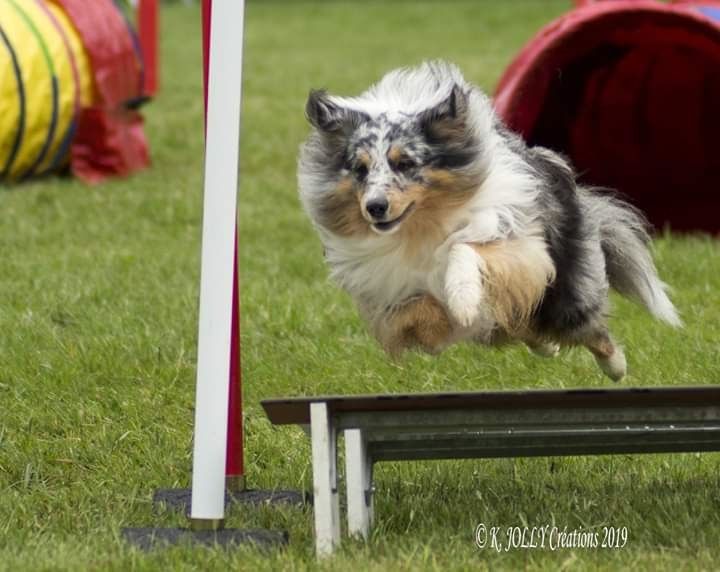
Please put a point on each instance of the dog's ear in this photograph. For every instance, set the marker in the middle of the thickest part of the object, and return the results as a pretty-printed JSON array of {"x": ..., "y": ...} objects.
[
  {"x": 448, "y": 118},
  {"x": 328, "y": 117}
]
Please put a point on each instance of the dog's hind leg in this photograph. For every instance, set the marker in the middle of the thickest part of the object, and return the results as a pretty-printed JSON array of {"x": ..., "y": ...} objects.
[
  {"x": 420, "y": 322},
  {"x": 544, "y": 349},
  {"x": 608, "y": 355}
]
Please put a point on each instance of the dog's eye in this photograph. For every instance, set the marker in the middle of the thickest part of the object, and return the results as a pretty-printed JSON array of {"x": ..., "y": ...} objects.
[
  {"x": 404, "y": 165},
  {"x": 361, "y": 171}
]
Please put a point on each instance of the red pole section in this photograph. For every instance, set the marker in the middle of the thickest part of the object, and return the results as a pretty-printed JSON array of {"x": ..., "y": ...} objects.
[
  {"x": 148, "y": 34},
  {"x": 234, "y": 459},
  {"x": 234, "y": 468}
]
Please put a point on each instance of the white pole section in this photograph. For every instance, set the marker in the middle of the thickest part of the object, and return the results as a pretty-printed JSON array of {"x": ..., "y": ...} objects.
[{"x": 218, "y": 251}]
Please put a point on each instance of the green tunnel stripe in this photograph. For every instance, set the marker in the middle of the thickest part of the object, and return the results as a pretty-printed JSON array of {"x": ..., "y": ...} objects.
[
  {"x": 55, "y": 90},
  {"x": 21, "y": 97},
  {"x": 64, "y": 147},
  {"x": 36, "y": 33}
]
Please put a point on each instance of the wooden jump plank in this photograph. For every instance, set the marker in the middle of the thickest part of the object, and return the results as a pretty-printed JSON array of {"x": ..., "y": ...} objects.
[{"x": 297, "y": 410}]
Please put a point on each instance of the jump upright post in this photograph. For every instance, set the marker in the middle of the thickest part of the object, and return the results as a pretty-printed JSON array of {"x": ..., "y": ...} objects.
[
  {"x": 218, "y": 473},
  {"x": 217, "y": 283},
  {"x": 234, "y": 465}
]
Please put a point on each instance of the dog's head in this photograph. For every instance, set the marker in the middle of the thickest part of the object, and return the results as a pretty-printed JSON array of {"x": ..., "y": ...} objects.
[{"x": 392, "y": 159}]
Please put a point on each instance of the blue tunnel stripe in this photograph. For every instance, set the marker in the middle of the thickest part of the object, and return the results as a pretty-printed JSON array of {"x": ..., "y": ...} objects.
[
  {"x": 710, "y": 12},
  {"x": 64, "y": 148}
]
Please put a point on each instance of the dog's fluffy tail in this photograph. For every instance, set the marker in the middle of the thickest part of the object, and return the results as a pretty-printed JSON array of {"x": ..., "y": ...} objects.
[{"x": 628, "y": 260}]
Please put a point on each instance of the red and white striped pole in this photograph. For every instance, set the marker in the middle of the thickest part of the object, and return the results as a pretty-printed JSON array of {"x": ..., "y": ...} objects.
[
  {"x": 217, "y": 450},
  {"x": 218, "y": 435},
  {"x": 234, "y": 469}
]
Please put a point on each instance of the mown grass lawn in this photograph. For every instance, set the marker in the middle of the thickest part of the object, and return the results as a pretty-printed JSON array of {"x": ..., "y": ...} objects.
[{"x": 98, "y": 309}]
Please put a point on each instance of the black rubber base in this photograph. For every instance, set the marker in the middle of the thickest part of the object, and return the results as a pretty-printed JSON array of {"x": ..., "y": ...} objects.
[
  {"x": 149, "y": 538},
  {"x": 179, "y": 499}
]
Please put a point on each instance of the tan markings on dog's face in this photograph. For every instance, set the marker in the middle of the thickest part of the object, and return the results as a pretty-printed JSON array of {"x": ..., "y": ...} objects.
[
  {"x": 444, "y": 191},
  {"x": 398, "y": 201},
  {"x": 341, "y": 211},
  {"x": 517, "y": 272},
  {"x": 363, "y": 157},
  {"x": 450, "y": 181},
  {"x": 395, "y": 154},
  {"x": 435, "y": 201}
]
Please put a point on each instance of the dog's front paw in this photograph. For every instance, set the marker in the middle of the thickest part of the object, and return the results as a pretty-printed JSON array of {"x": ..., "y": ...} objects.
[
  {"x": 463, "y": 284},
  {"x": 464, "y": 302}
]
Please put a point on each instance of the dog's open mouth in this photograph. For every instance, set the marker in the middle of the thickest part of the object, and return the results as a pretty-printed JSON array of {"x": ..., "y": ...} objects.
[{"x": 389, "y": 226}]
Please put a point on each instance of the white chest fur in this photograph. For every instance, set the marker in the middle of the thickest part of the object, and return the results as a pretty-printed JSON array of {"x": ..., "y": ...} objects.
[{"x": 380, "y": 273}]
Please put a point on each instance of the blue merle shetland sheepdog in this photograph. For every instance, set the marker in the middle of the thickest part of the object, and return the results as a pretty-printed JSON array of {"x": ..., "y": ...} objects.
[{"x": 445, "y": 227}]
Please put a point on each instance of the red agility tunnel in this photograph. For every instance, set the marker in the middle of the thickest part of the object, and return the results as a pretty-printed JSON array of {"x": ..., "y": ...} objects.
[
  {"x": 73, "y": 75},
  {"x": 630, "y": 91},
  {"x": 110, "y": 140}
]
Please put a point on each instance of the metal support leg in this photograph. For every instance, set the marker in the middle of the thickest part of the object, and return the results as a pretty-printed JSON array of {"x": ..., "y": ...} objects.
[
  {"x": 358, "y": 474},
  {"x": 325, "y": 489}
]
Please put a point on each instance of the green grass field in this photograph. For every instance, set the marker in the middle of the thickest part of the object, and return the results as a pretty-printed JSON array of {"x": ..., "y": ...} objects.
[{"x": 98, "y": 311}]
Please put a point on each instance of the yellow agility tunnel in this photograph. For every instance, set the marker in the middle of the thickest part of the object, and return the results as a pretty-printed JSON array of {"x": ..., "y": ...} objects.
[{"x": 70, "y": 81}]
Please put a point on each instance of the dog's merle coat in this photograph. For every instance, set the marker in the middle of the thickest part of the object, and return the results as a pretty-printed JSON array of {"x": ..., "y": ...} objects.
[{"x": 445, "y": 226}]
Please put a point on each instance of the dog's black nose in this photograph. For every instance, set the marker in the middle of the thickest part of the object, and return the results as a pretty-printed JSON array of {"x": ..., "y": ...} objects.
[{"x": 377, "y": 208}]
